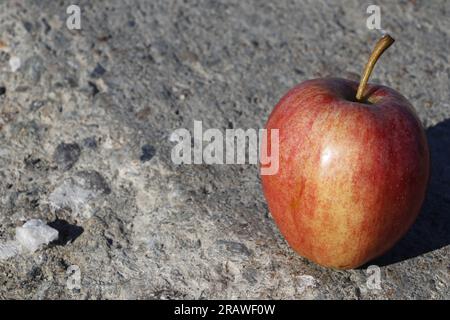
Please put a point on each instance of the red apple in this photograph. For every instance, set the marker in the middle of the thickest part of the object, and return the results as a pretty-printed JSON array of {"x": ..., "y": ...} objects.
[{"x": 352, "y": 174}]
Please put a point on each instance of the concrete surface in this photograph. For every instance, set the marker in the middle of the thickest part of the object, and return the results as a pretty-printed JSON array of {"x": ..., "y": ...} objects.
[{"x": 85, "y": 120}]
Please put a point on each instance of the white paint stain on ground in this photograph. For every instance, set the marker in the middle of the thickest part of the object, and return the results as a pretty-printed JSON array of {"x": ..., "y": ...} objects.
[{"x": 14, "y": 63}]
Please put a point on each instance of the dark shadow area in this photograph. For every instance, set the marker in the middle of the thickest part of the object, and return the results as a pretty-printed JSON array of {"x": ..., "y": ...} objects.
[
  {"x": 431, "y": 231},
  {"x": 67, "y": 232}
]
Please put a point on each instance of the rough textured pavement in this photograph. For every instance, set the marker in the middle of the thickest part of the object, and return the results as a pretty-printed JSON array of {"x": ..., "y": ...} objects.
[{"x": 85, "y": 120}]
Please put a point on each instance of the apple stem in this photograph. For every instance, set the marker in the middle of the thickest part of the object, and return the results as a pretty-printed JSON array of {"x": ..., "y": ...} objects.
[{"x": 381, "y": 46}]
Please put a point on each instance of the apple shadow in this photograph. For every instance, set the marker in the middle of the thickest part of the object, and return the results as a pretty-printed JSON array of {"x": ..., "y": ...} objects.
[{"x": 431, "y": 231}]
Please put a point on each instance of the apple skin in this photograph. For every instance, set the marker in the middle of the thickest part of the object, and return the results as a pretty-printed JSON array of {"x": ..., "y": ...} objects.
[{"x": 352, "y": 176}]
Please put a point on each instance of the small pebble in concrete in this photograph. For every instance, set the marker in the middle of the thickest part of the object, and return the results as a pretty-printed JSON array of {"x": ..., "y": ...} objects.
[
  {"x": 36, "y": 104},
  {"x": 66, "y": 155},
  {"x": 90, "y": 142},
  {"x": 34, "y": 234},
  {"x": 92, "y": 180},
  {"x": 234, "y": 247},
  {"x": 148, "y": 152},
  {"x": 28, "y": 26},
  {"x": 98, "y": 71}
]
